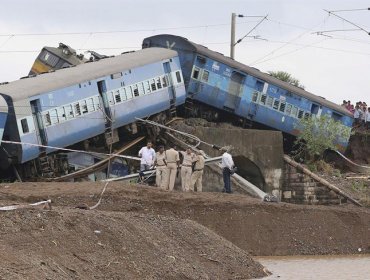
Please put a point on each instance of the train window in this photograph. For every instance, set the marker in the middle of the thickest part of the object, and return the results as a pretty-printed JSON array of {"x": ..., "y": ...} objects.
[
  {"x": 255, "y": 96},
  {"x": 259, "y": 85},
  {"x": 263, "y": 99},
  {"x": 54, "y": 116},
  {"x": 117, "y": 97},
  {"x": 205, "y": 76},
  {"x": 84, "y": 107},
  {"x": 135, "y": 90},
  {"x": 159, "y": 84},
  {"x": 164, "y": 81},
  {"x": 24, "y": 124},
  {"x": 269, "y": 101},
  {"x": 314, "y": 109},
  {"x": 282, "y": 107},
  {"x": 69, "y": 111},
  {"x": 307, "y": 115},
  {"x": 141, "y": 88},
  {"x": 77, "y": 109},
  {"x": 300, "y": 114},
  {"x": 147, "y": 87},
  {"x": 90, "y": 105},
  {"x": 294, "y": 111},
  {"x": 61, "y": 114},
  {"x": 178, "y": 77},
  {"x": 152, "y": 84},
  {"x": 196, "y": 73},
  {"x": 276, "y": 104},
  {"x": 47, "y": 120},
  {"x": 288, "y": 109},
  {"x": 49, "y": 58}
]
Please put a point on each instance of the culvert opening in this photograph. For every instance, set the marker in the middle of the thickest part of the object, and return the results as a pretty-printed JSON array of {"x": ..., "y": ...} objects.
[{"x": 250, "y": 171}]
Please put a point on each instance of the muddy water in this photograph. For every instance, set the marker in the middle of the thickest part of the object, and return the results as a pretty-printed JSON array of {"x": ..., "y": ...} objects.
[{"x": 317, "y": 267}]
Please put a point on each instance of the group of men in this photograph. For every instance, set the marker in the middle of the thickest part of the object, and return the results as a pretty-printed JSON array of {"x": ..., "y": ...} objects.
[
  {"x": 361, "y": 113},
  {"x": 167, "y": 163}
]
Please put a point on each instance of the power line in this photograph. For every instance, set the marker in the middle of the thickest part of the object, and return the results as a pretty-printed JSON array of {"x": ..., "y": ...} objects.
[
  {"x": 291, "y": 41},
  {"x": 119, "y": 31},
  {"x": 351, "y": 10},
  {"x": 346, "y": 20}
]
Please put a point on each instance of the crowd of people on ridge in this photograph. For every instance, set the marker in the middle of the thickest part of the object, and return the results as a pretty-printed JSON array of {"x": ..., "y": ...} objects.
[{"x": 361, "y": 113}]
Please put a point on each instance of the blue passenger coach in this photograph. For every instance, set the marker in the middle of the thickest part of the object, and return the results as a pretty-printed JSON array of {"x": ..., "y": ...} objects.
[
  {"x": 77, "y": 103},
  {"x": 220, "y": 82}
]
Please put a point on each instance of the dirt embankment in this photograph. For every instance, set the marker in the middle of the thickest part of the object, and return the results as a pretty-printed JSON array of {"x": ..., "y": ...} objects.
[
  {"x": 69, "y": 243},
  {"x": 260, "y": 228}
]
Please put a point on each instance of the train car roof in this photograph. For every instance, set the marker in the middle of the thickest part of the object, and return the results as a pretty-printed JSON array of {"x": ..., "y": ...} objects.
[
  {"x": 249, "y": 70},
  {"x": 65, "y": 77}
]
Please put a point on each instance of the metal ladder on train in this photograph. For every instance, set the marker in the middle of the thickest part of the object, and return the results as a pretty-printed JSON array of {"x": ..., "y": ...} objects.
[
  {"x": 189, "y": 105},
  {"x": 173, "y": 111},
  {"x": 45, "y": 166}
]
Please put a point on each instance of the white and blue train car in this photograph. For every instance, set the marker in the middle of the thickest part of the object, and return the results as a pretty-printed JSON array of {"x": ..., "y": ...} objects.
[
  {"x": 245, "y": 92},
  {"x": 74, "y": 104}
]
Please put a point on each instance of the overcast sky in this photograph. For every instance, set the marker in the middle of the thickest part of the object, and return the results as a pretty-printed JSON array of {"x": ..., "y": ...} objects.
[{"x": 335, "y": 67}]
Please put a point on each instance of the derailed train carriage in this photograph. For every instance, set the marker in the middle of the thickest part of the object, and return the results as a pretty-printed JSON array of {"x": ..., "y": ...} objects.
[
  {"x": 71, "y": 105},
  {"x": 244, "y": 92}
]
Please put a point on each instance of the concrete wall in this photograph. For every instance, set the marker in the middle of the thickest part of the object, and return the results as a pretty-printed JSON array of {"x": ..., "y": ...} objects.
[{"x": 255, "y": 152}]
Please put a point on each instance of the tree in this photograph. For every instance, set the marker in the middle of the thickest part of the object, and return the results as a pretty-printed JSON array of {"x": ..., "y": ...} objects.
[
  {"x": 318, "y": 134},
  {"x": 286, "y": 77}
]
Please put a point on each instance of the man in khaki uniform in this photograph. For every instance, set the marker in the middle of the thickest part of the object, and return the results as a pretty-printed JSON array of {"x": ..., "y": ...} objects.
[
  {"x": 186, "y": 170},
  {"x": 173, "y": 160},
  {"x": 160, "y": 169},
  {"x": 197, "y": 176}
]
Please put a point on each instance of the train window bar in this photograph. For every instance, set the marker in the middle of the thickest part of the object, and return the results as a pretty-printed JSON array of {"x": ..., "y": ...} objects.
[
  {"x": 288, "y": 109},
  {"x": 263, "y": 99},
  {"x": 255, "y": 96},
  {"x": 282, "y": 107},
  {"x": 276, "y": 104},
  {"x": 300, "y": 114}
]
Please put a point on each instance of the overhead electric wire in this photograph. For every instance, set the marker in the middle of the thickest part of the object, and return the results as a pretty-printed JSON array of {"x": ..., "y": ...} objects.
[
  {"x": 346, "y": 20},
  {"x": 279, "y": 48},
  {"x": 118, "y": 31}
]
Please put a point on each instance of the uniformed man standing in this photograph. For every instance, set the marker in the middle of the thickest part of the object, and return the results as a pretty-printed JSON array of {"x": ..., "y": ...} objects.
[
  {"x": 173, "y": 161},
  {"x": 161, "y": 169},
  {"x": 197, "y": 176},
  {"x": 186, "y": 169}
]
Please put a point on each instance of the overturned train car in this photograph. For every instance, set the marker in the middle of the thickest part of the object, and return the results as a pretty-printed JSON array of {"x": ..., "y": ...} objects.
[
  {"x": 228, "y": 86},
  {"x": 70, "y": 105}
]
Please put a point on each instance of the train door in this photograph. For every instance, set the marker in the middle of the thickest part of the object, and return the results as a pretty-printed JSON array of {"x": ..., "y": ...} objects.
[
  {"x": 316, "y": 110},
  {"x": 102, "y": 88},
  {"x": 37, "y": 118},
  {"x": 235, "y": 88},
  {"x": 171, "y": 90}
]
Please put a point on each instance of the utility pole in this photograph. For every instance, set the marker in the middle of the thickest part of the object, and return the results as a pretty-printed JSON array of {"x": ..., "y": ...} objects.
[{"x": 232, "y": 41}]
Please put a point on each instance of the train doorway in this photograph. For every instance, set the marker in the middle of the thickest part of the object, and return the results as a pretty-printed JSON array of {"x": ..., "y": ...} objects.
[
  {"x": 37, "y": 118},
  {"x": 235, "y": 89},
  {"x": 167, "y": 70},
  {"x": 102, "y": 88}
]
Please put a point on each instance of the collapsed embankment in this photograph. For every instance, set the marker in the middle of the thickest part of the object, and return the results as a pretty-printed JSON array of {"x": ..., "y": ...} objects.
[
  {"x": 69, "y": 243},
  {"x": 260, "y": 228}
]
